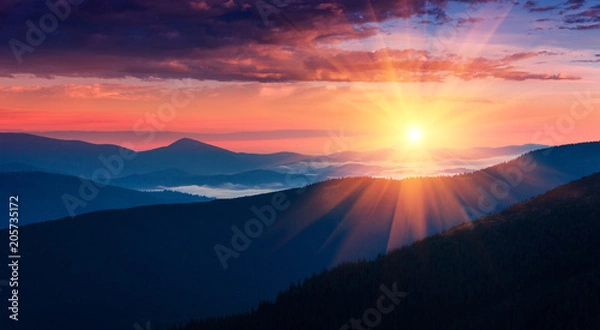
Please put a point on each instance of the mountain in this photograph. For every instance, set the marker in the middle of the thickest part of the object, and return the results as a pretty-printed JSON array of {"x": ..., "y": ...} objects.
[
  {"x": 186, "y": 145},
  {"x": 22, "y": 151},
  {"x": 169, "y": 263},
  {"x": 46, "y": 196},
  {"x": 399, "y": 164},
  {"x": 202, "y": 159},
  {"x": 80, "y": 158},
  {"x": 17, "y": 167},
  {"x": 440, "y": 153},
  {"x": 341, "y": 165},
  {"x": 534, "y": 265},
  {"x": 485, "y": 152},
  {"x": 55, "y": 156}
]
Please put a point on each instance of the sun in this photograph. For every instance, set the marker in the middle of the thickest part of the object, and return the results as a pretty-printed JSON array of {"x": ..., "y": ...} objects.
[{"x": 414, "y": 134}]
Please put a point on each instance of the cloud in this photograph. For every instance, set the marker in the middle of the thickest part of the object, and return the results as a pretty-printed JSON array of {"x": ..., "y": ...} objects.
[
  {"x": 575, "y": 4},
  {"x": 542, "y": 9},
  {"x": 460, "y": 22},
  {"x": 586, "y": 61},
  {"x": 520, "y": 76},
  {"x": 588, "y": 19},
  {"x": 571, "y": 13},
  {"x": 269, "y": 63},
  {"x": 109, "y": 91},
  {"x": 199, "y": 5},
  {"x": 583, "y": 27},
  {"x": 529, "y": 4},
  {"x": 147, "y": 27},
  {"x": 533, "y": 7},
  {"x": 235, "y": 41}
]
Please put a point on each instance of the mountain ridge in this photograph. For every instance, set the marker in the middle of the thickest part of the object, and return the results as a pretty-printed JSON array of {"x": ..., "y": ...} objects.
[
  {"x": 533, "y": 265},
  {"x": 187, "y": 144},
  {"x": 48, "y": 196},
  {"x": 77, "y": 158},
  {"x": 319, "y": 226}
]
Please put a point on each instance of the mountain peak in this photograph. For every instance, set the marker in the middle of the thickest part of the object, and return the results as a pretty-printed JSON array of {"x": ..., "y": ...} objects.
[
  {"x": 188, "y": 144},
  {"x": 185, "y": 142}
]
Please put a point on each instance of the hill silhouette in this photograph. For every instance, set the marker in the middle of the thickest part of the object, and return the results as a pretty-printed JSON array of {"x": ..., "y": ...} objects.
[
  {"x": 53, "y": 155},
  {"x": 533, "y": 266},
  {"x": 46, "y": 196},
  {"x": 187, "y": 161},
  {"x": 149, "y": 255},
  {"x": 81, "y": 158}
]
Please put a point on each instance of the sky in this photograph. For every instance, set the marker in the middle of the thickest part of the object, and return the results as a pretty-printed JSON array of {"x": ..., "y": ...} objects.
[{"x": 306, "y": 76}]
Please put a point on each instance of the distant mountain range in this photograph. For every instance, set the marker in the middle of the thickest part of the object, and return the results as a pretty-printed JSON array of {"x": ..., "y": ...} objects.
[
  {"x": 187, "y": 163},
  {"x": 166, "y": 262},
  {"x": 439, "y": 153},
  {"x": 46, "y": 196},
  {"x": 169, "y": 167},
  {"x": 81, "y": 158},
  {"x": 535, "y": 265}
]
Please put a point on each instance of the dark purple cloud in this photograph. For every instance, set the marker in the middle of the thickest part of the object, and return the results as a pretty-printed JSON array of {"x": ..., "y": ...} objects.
[
  {"x": 586, "y": 61},
  {"x": 270, "y": 63},
  {"x": 590, "y": 15},
  {"x": 247, "y": 40},
  {"x": 529, "y": 4},
  {"x": 584, "y": 27},
  {"x": 460, "y": 22},
  {"x": 137, "y": 27},
  {"x": 587, "y": 19},
  {"x": 575, "y": 4},
  {"x": 542, "y": 9}
]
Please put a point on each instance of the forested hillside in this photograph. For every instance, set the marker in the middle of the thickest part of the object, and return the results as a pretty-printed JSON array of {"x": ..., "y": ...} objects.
[{"x": 535, "y": 265}]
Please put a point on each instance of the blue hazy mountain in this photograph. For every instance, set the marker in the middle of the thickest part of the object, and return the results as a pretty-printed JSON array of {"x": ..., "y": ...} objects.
[
  {"x": 81, "y": 158},
  {"x": 200, "y": 158},
  {"x": 46, "y": 196},
  {"x": 188, "y": 162},
  {"x": 166, "y": 262},
  {"x": 52, "y": 155},
  {"x": 442, "y": 153},
  {"x": 17, "y": 167}
]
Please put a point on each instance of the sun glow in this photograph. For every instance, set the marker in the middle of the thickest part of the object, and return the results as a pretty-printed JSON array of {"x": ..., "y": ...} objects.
[{"x": 414, "y": 134}]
